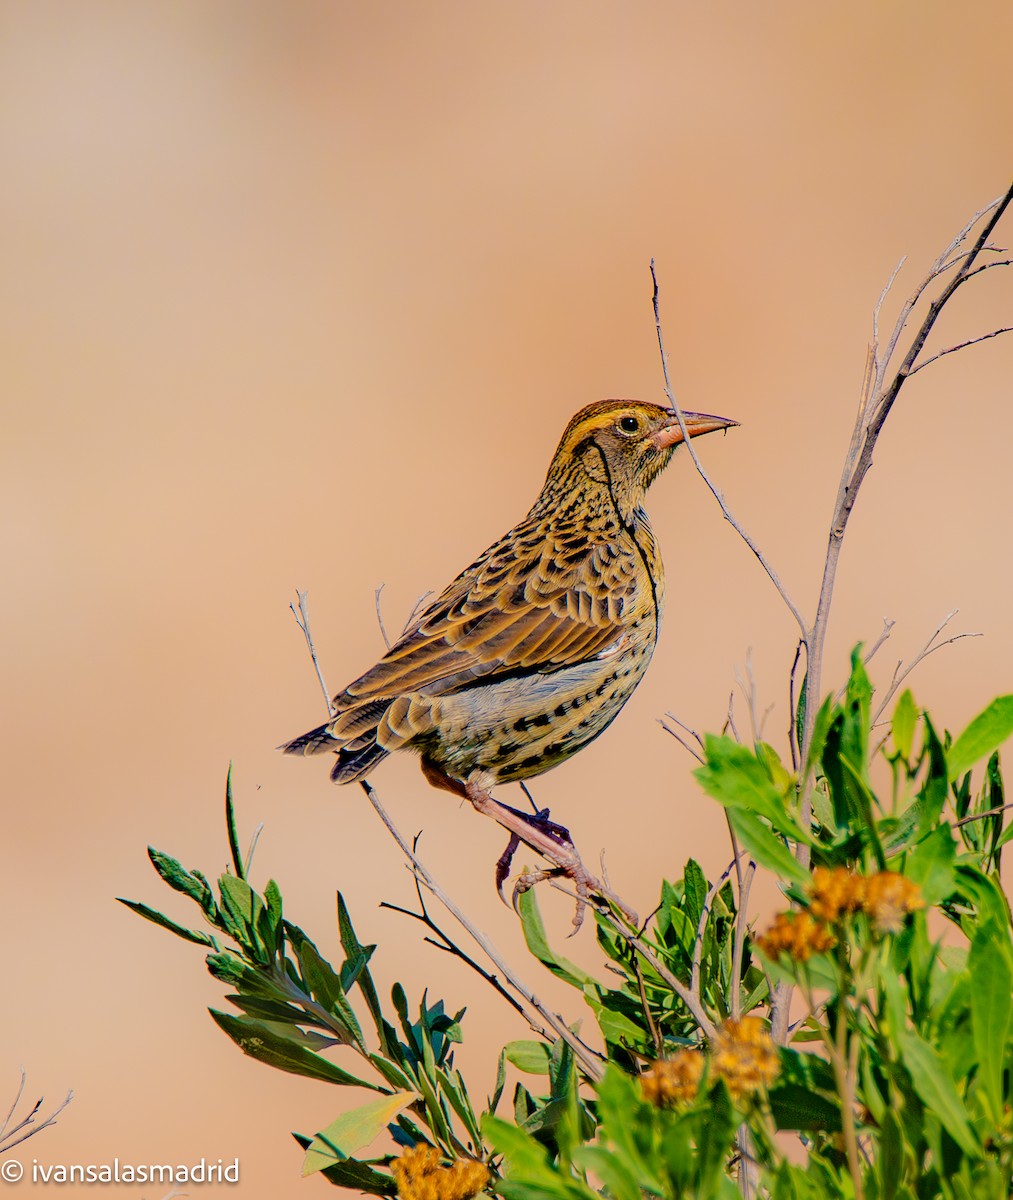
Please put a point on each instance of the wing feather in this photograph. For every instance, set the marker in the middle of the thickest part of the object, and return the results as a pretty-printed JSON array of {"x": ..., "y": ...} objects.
[{"x": 529, "y": 603}]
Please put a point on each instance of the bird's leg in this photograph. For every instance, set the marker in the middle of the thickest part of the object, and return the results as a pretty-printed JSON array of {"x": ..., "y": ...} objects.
[{"x": 545, "y": 837}]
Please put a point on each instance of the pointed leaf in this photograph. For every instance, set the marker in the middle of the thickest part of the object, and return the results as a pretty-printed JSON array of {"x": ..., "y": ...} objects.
[
  {"x": 151, "y": 914},
  {"x": 352, "y": 1131},
  {"x": 936, "y": 1089},
  {"x": 991, "y": 1007},
  {"x": 262, "y": 1042},
  {"x": 903, "y": 722},
  {"x": 230, "y": 825},
  {"x": 538, "y": 943},
  {"x": 986, "y": 733}
]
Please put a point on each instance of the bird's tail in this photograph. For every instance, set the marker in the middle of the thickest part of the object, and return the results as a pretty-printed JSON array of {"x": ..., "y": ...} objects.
[{"x": 355, "y": 756}]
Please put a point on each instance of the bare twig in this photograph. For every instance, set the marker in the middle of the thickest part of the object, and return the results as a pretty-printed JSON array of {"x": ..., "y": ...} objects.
[
  {"x": 872, "y": 415},
  {"x": 11, "y": 1136},
  {"x": 729, "y": 517},
  {"x": 379, "y": 615},
  {"x": 730, "y": 717},
  {"x": 685, "y": 994},
  {"x": 679, "y": 738},
  {"x": 962, "y": 345},
  {"x": 302, "y": 619},
  {"x": 903, "y": 670},
  {"x": 792, "y": 707},
  {"x": 992, "y": 812},
  {"x": 590, "y": 1062}
]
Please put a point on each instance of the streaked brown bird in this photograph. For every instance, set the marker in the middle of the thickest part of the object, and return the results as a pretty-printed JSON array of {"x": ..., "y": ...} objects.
[{"x": 532, "y": 650}]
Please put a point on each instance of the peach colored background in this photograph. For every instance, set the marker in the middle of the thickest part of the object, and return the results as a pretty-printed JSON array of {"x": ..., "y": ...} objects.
[{"x": 302, "y": 295}]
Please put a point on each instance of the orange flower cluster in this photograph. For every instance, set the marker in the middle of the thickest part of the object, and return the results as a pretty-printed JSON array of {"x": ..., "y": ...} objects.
[
  {"x": 888, "y": 899},
  {"x": 835, "y": 892},
  {"x": 673, "y": 1080},
  {"x": 744, "y": 1056},
  {"x": 419, "y": 1176},
  {"x": 885, "y": 897},
  {"x": 796, "y": 934}
]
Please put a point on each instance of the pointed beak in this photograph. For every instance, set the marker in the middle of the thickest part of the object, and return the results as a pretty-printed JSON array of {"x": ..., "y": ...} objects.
[{"x": 696, "y": 423}]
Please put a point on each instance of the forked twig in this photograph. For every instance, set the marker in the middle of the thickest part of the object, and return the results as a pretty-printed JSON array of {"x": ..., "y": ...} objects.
[
  {"x": 903, "y": 670},
  {"x": 302, "y": 619}
]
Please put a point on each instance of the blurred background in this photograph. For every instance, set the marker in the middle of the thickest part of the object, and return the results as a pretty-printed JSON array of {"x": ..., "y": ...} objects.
[{"x": 303, "y": 295}]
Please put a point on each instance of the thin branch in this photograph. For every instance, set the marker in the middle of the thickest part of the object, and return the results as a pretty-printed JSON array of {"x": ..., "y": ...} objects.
[
  {"x": 8, "y": 1140},
  {"x": 729, "y": 517},
  {"x": 302, "y": 619},
  {"x": 961, "y": 345},
  {"x": 17, "y": 1100},
  {"x": 685, "y": 994},
  {"x": 744, "y": 882},
  {"x": 730, "y": 719},
  {"x": 992, "y": 812},
  {"x": 588, "y": 1060},
  {"x": 868, "y": 426},
  {"x": 902, "y": 670},
  {"x": 659, "y": 1045},
  {"x": 868, "y": 656},
  {"x": 379, "y": 615},
  {"x": 679, "y": 738},
  {"x": 792, "y": 708}
]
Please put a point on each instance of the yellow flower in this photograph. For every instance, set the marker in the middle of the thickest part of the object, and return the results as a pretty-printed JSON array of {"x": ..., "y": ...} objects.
[
  {"x": 834, "y": 893},
  {"x": 673, "y": 1080},
  {"x": 889, "y": 897},
  {"x": 419, "y": 1176},
  {"x": 744, "y": 1056},
  {"x": 797, "y": 935}
]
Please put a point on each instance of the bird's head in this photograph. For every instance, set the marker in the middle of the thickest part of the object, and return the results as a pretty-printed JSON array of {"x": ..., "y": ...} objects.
[{"x": 624, "y": 445}]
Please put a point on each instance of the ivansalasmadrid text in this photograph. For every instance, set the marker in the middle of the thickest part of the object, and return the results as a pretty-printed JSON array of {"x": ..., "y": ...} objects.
[{"x": 202, "y": 1171}]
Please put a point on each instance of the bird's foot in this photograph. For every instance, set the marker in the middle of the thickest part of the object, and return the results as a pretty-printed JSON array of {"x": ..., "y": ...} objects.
[
  {"x": 539, "y": 821},
  {"x": 553, "y": 842}
]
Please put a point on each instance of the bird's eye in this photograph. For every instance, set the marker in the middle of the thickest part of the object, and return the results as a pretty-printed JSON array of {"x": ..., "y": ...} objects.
[{"x": 629, "y": 424}]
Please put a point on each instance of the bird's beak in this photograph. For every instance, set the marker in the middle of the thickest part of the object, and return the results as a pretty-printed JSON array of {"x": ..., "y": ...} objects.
[{"x": 696, "y": 423}]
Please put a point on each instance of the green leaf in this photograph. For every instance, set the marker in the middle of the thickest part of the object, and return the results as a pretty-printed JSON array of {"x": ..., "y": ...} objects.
[
  {"x": 736, "y": 778},
  {"x": 824, "y": 719},
  {"x": 538, "y": 943},
  {"x": 327, "y": 990},
  {"x": 931, "y": 865},
  {"x": 157, "y": 918},
  {"x": 355, "y": 1175},
  {"x": 528, "y": 1056},
  {"x": 991, "y": 1007},
  {"x": 171, "y": 870},
  {"x": 903, "y": 722},
  {"x": 230, "y": 825},
  {"x": 243, "y": 907},
  {"x": 264, "y": 1043},
  {"x": 794, "y": 1106},
  {"x": 353, "y": 1130},
  {"x": 765, "y": 846},
  {"x": 986, "y": 733},
  {"x": 695, "y": 890},
  {"x": 936, "y": 1089}
]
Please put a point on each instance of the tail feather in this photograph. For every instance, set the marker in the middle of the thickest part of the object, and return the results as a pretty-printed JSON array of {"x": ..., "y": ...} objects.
[
  {"x": 352, "y": 765},
  {"x": 355, "y": 758},
  {"x": 315, "y": 742}
]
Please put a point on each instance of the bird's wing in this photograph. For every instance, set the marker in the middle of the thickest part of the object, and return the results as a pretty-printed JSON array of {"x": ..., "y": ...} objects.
[{"x": 537, "y": 600}]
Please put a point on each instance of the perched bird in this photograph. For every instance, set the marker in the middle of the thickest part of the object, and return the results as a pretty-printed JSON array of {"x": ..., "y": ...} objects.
[{"x": 532, "y": 650}]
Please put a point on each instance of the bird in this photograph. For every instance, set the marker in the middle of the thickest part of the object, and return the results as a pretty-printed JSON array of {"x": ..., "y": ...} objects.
[{"x": 531, "y": 652}]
